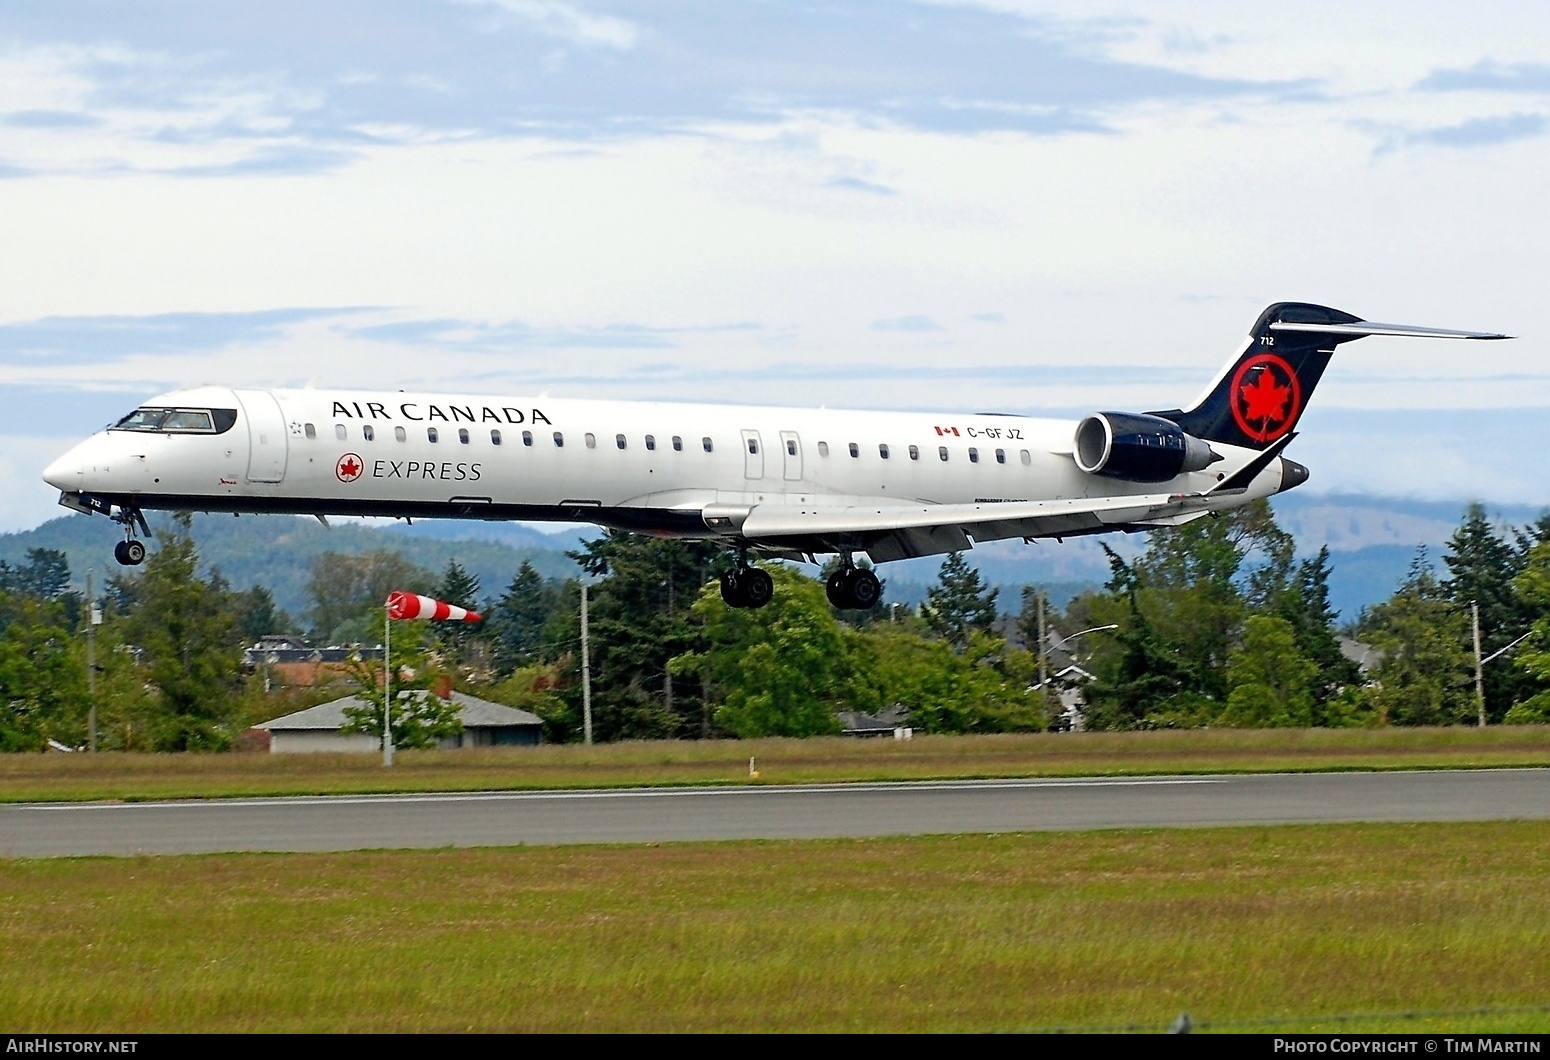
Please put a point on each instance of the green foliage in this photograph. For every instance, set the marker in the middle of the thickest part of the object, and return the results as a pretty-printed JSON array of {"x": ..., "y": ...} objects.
[
  {"x": 1533, "y": 588},
  {"x": 1271, "y": 682},
  {"x": 42, "y": 677},
  {"x": 461, "y": 589},
  {"x": 517, "y": 621},
  {"x": 45, "y": 575},
  {"x": 419, "y": 719},
  {"x": 784, "y": 669},
  {"x": 1482, "y": 565},
  {"x": 960, "y": 603},
  {"x": 191, "y": 639},
  {"x": 537, "y": 688},
  {"x": 1532, "y": 711},
  {"x": 984, "y": 688},
  {"x": 641, "y": 617},
  {"x": 1424, "y": 677},
  {"x": 347, "y": 592},
  {"x": 259, "y": 616}
]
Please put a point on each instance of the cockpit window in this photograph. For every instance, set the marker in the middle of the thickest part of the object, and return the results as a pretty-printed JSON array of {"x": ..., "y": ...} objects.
[{"x": 178, "y": 421}]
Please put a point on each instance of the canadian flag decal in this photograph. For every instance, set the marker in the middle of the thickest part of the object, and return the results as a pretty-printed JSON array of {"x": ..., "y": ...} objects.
[{"x": 947, "y": 430}]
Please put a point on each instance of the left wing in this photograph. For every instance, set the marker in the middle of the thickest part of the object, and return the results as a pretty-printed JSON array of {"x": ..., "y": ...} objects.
[{"x": 888, "y": 532}]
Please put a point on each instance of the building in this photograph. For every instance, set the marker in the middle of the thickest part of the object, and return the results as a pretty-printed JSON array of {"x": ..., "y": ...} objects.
[
  {"x": 318, "y": 728},
  {"x": 890, "y": 721},
  {"x": 288, "y": 660}
]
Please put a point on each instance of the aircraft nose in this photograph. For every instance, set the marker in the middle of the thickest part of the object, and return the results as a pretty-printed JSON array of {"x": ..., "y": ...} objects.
[{"x": 65, "y": 473}]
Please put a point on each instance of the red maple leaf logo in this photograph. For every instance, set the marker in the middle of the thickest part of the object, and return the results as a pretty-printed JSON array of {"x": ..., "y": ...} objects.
[
  {"x": 349, "y": 468},
  {"x": 1266, "y": 398}
]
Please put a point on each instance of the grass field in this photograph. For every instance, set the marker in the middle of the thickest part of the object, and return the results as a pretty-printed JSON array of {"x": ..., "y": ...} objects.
[
  {"x": 1297, "y": 926},
  {"x": 128, "y": 776}
]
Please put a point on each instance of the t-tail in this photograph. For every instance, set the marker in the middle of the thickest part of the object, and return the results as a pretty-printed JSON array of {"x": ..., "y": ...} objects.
[{"x": 1261, "y": 394}]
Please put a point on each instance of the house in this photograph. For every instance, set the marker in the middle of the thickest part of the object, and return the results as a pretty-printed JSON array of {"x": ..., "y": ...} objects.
[
  {"x": 890, "y": 721},
  {"x": 288, "y": 660},
  {"x": 319, "y": 728}
]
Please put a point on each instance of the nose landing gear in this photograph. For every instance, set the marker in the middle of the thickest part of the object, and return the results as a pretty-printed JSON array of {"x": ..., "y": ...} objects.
[
  {"x": 130, "y": 551},
  {"x": 853, "y": 588}
]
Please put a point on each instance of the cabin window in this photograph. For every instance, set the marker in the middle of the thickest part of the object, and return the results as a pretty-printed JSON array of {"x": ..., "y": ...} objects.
[
  {"x": 678, "y": 444},
  {"x": 591, "y": 440},
  {"x": 619, "y": 441},
  {"x": 706, "y": 443},
  {"x": 527, "y": 438},
  {"x": 559, "y": 440},
  {"x": 941, "y": 451},
  {"x": 882, "y": 451},
  {"x": 431, "y": 435},
  {"x": 855, "y": 450},
  {"x": 311, "y": 431},
  {"x": 1027, "y": 459},
  {"x": 791, "y": 447},
  {"x": 823, "y": 448},
  {"x": 339, "y": 431},
  {"x": 495, "y": 437},
  {"x": 651, "y": 443},
  {"x": 914, "y": 452},
  {"x": 462, "y": 435},
  {"x": 753, "y": 446},
  {"x": 399, "y": 434},
  {"x": 1000, "y": 456},
  {"x": 974, "y": 455},
  {"x": 369, "y": 433}
]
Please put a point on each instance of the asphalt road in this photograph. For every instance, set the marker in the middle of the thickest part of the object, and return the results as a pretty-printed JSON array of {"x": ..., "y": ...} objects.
[{"x": 784, "y": 812}]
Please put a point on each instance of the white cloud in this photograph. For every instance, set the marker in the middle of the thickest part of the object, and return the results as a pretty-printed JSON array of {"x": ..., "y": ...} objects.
[{"x": 568, "y": 22}]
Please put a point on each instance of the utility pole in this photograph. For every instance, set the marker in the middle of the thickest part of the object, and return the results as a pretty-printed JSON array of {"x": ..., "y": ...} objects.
[
  {"x": 1474, "y": 618},
  {"x": 1043, "y": 644},
  {"x": 93, "y": 619},
  {"x": 387, "y": 687},
  {"x": 586, "y": 674}
]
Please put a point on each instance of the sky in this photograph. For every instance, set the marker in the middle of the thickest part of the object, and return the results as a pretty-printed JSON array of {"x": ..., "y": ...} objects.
[{"x": 1012, "y": 205}]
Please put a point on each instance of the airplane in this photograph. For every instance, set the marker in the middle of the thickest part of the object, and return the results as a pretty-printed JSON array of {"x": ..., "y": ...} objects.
[{"x": 774, "y": 482}]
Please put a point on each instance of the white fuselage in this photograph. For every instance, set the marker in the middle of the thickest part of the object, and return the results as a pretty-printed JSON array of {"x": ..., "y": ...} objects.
[{"x": 650, "y": 466}]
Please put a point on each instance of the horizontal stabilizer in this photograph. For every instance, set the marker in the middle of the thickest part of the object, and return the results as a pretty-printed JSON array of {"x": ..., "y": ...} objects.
[{"x": 1369, "y": 327}]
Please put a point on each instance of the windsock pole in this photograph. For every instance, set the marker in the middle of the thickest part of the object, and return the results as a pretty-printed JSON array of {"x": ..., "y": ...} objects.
[{"x": 387, "y": 687}]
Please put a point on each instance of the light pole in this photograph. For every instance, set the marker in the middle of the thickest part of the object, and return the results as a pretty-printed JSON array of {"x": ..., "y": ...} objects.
[
  {"x": 93, "y": 620},
  {"x": 586, "y": 674}
]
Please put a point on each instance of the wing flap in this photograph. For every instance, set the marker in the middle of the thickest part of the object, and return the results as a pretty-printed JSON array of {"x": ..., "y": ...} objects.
[{"x": 983, "y": 522}]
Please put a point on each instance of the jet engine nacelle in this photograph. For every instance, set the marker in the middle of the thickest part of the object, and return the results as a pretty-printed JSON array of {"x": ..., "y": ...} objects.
[{"x": 1138, "y": 448}]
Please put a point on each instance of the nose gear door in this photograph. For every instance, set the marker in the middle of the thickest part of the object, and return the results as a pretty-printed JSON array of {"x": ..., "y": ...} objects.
[{"x": 268, "y": 441}]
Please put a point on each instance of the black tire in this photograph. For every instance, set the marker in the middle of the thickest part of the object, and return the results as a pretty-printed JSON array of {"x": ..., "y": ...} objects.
[
  {"x": 757, "y": 586},
  {"x": 118, "y": 554},
  {"x": 838, "y": 590},
  {"x": 732, "y": 589},
  {"x": 134, "y": 553},
  {"x": 865, "y": 589}
]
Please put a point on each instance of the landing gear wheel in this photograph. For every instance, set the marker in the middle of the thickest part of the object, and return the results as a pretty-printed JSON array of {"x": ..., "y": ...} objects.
[
  {"x": 130, "y": 553},
  {"x": 865, "y": 589},
  {"x": 758, "y": 587},
  {"x": 747, "y": 587},
  {"x": 854, "y": 589}
]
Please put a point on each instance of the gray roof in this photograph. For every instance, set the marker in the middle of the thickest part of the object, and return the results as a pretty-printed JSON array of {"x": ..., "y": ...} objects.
[{"x": 475, "y": 714}]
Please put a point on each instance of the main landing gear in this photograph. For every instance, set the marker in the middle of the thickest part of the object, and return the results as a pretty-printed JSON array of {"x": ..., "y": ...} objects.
[
  {"x": 130, "y": 551},
  {"x": 853, "y": 588},
  {"x": 745, "y": 586}
]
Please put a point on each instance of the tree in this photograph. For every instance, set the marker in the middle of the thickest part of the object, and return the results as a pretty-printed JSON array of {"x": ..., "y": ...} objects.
[
  {"x": 518, "y": 618},
  {"x": 1482, "y": 565},
  {"x": 419, "y": 717},
  {"x": 190, "y": 635},
  {"x": 259, "y": 616},
  {"x": 461, "y": 588},
  {"x": 641, "y": 617},
  {"x": 960, "y": 603},
  {"x": 45, "y": 575},
  {"x": 353, "y": 588},
  {"x": 781, "y": 670},
  {"x": 1533, "y": 589},
  {"x": 985, "y": 688},
  {"x": 1304, "y": 605},
  {"x": 1424, "y": 677},
  {"x": 1271, "y": 682},
  {"x": 42, "y": 677}
]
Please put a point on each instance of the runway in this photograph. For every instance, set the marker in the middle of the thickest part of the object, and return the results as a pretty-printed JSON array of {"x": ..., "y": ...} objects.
[{"x": 777, "y": 812}]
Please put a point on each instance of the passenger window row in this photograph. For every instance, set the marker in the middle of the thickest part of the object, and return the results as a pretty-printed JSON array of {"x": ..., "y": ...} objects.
[{"x": 432, "y": 434}]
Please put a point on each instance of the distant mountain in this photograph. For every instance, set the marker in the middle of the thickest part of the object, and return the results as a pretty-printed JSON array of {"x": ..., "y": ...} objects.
[{"x": 1372, "y": 541}]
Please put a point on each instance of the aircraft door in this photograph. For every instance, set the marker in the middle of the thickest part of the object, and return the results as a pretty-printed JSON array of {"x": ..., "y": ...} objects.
[
  {"x": 267, "y": 438},
  {"x": 791, "y": 446},
  {"x": 753, "y": 455}
]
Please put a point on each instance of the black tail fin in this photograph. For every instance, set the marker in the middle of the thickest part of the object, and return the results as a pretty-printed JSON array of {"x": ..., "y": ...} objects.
[{"x": 1260, "y": 395}]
